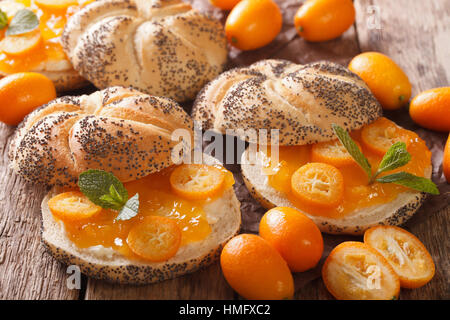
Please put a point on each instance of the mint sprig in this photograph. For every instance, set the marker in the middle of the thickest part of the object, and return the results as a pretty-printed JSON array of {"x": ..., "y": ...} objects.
[
  {"x": 3, "y": 20},
  {"x": 23, "y": 21},
  {"x": 397, "y": 156},
  {"x": 106, "y": 191},
  {"x": 411, "y": 181}
]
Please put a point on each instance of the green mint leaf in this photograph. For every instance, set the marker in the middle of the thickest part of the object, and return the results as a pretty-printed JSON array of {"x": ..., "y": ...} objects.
[
  {"x": 96, "y": 185},
  {"x": 114, "y": 204},
  {"x": 130, "y": 209},
  {"x": 411, "y": 181},
  {"x": 24, "y": 21},
  {"x": 115, "y": 195},
  {"x": 397, "y": 156},
  {"x": 3, "y": 20},
  {"x": 352, "y": 149}
]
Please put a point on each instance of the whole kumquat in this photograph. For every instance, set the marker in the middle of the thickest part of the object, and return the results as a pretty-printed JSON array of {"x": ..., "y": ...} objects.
[
  {"x": 431, "y": 109},
  {"x": 253, "y": 24},
  {"x": 21, "y": 93},
  {"x": 446, "y": 160},
  {"x": 387, "y": 81},
  {"x": 322, "y": 20},
  {"x": 224, "y": 4},
  {"x": 255, "y": 270},
  {"x": 294, "y": 236}
]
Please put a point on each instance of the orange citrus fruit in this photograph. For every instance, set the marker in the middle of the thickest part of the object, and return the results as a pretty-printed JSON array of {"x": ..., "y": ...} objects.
[
  {"x": 446, "y": 160},
  {"x": 72, "y": 206},
  {"x": 21, "y": 93},
  {"x": 331, "y": 152},
  {"x": 322, "y": 20},
  {"x": 384, "y": 77},
  {"x": 407, "y": 255},
  {"x": 224, "y": 4},
  {"x": 356, "y": 271},
  {"x": 196, "y": 181},
  {"x": 294, "y": 236},
  {"x": 318, "y": 184},
  {"x": 380, "y": 135},
  {"x": 253, "y": 24},
  {"x": 431, "y": 109},
  {"x": 155, "y": 238},
  {"x": 255, "y": 270}
]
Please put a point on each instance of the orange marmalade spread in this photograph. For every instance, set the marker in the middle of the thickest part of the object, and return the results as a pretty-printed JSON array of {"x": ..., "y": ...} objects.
[
  {"x": 33, "y": 48},
  {"x": 156, "y": 197},
  {"x": 357, "y": 193}
]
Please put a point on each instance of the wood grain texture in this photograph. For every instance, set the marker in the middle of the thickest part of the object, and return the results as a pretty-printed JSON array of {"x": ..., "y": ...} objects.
[
  {"x": 414, "y": 33},
  {"x": 26, "y": 270}
]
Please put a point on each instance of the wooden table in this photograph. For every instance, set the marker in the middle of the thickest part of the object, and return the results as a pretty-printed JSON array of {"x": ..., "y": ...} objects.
[{"x": 415, "y": 33}]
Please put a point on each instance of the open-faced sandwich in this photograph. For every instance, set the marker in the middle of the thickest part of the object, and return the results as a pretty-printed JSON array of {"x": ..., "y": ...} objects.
[
  {"x": 339, "y": 161},
  {"x": 120, "y": 208},
  {"x": 30, "y": 39}
]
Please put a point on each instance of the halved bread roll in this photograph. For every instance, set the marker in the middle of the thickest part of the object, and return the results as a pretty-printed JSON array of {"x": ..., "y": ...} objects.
[
  {"x": 223, "y": 215},
  {"x": 395, "y": 212}
]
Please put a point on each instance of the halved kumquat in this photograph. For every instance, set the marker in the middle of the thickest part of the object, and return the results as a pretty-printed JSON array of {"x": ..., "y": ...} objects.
[
  {"x": 72, "y": 206},
  {"x": 380, "y": 135},
  {"x": 155, "y": 238},
  {"x": 21, "y": 44},
  {"x": 197, "y": 181},
  {"x": 331, "y": 152},
  {"x": 407, "y": 255},
  {"x": 318, "y": 184},
  {"x": 56, "y": 4},
  {"x": 356, "y": 271}
]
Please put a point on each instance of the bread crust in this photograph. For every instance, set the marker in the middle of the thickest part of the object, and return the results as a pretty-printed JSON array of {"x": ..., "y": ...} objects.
[
  {"x": 301, "y": 101},
  {"x": 119, "y": 269},
  {"x": 161, "y": 47},
  {"x": 117, "y": 129},
  {"x": 394, "y": 213}
]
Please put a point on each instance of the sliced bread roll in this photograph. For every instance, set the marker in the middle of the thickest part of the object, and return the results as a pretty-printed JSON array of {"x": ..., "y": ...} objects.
[
  {"x": 223, "y": 215},
  {"x": 395, "y": 212}
]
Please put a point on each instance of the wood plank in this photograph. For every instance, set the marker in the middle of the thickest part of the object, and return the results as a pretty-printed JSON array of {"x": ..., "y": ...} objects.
[{"x": 27, "y": 271}]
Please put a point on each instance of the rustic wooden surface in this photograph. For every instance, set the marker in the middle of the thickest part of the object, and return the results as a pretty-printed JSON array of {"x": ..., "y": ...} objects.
[{"x": 414, "y": 33}]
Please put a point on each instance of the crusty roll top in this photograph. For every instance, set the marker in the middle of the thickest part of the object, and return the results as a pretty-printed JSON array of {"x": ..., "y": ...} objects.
[
  {"x": 302, "y": 101},
  {"x": 161, "y": 47},
  {"x": 119, "y": 130}
]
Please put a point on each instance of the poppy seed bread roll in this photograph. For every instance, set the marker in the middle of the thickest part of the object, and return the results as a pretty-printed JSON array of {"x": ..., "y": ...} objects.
[
  {"x": 161, "y": 47},
  {"x": 301, "y": 101},
  {"x": 119, "y": 130}
]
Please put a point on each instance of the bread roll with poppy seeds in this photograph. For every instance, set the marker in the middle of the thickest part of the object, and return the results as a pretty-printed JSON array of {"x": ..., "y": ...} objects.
[
  {"x": 161, "y": 47},
  {"x": 104, "y": 263},
  {"x": 395, "y": 212},
  {"x": 118, "y": 129},
  {"x": 301, "y": 101},
  {"x": 223, "y": 215}
]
